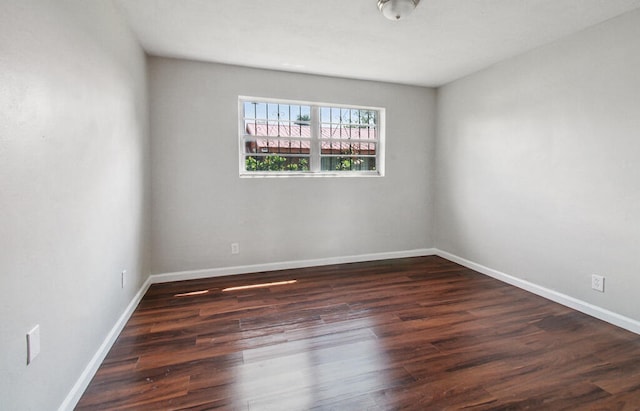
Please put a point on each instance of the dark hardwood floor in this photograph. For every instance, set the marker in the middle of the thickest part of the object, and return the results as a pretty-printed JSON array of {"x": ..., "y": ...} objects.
[{"x": 416, "y": 334}]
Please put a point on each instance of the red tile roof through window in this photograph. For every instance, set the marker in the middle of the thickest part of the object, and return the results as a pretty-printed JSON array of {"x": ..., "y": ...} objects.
[{"x": 334, "y": 140}]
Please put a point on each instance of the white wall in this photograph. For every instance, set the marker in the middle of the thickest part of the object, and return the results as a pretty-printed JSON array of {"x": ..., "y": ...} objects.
[
  {"x": 200, "y": 205},
  {"x": 538, "y": 171},
  {"x": 73, "y": 171}
]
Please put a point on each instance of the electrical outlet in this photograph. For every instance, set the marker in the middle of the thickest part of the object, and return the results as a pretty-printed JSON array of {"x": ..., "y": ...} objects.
[
  {"x": 123, "y": 278},
  {"x": 33, "y": 344},
  {"x": 235, "y": 248},
  {"x": 597, "y": 282}
]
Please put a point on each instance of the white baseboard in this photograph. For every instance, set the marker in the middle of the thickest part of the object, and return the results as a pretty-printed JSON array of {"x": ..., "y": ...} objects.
[
  {"x": 286, "y": 265},
  {"x": 90, "y": 370},
  {"x": 566, "y": 300}
]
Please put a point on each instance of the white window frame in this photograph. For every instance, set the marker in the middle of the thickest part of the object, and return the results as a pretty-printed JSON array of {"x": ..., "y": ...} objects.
[{"x": 315, "y": 141}]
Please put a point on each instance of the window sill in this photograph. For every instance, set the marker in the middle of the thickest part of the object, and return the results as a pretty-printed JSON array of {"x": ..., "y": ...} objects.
[{"x": 342, "y": 174}]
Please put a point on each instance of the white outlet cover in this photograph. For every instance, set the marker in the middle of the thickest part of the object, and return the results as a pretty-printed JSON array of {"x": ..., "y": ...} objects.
[
  {"x": 33, "y": 344},
  {"x": 597, "y": 283}
]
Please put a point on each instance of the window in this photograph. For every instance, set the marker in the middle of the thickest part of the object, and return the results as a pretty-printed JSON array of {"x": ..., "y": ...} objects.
[{"x": 280, "y": 137}]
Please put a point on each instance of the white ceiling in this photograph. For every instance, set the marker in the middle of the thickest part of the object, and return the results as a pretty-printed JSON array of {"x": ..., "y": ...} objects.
[{"x": 441, "y": 41}]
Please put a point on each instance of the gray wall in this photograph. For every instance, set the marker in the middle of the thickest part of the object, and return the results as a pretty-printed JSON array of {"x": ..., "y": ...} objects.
[
  {"x": 200, "y": 205},
  {"x": 538, "y": 166},
  {"x": 73, "y": 178}
]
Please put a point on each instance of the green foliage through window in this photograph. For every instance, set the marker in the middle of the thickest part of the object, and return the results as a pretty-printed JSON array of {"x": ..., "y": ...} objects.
[{"x": 276, "y": 163}]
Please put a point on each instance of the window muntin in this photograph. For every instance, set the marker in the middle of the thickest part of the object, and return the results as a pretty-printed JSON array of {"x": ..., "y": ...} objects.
[{"x": 286, "y": 137}]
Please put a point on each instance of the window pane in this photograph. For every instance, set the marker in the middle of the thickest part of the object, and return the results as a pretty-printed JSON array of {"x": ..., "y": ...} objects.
[
  {"x": 347, "y": 148},
  {"x": 277, "y": 145},
  {"x": 277, "y": 120},
  {"x": 277, "y": 129},
  {"x": 260, "y": 110},
  {"x": 348, "y": 163},
  {"x": 276, "y": 163},
  {"x": 305, "y": 113},
  {"x": 344, "y": 123}
]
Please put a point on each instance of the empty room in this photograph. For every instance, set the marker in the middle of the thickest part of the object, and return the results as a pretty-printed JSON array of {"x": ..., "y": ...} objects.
[{"x": 327, "y": 205}]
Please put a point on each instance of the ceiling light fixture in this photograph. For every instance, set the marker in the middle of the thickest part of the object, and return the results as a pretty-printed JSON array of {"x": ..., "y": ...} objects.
[{"x": 397, "y": 9}]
